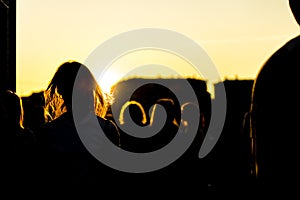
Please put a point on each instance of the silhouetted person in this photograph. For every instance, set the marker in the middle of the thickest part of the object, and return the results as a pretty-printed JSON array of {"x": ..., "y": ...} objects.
[
  {"x": 133, "y": 110},
  {"x": 132, "y": 113},
  {"x": 17, "y": 142},
  {"x": 162, "y": 131},
  {"x": 188, "y": 112},
  {"x": 34, "y": 110},
  {"x": 170, "y": 127},
  {"x": 65, "y": 158},
  {"x": 275, "y": 118}
]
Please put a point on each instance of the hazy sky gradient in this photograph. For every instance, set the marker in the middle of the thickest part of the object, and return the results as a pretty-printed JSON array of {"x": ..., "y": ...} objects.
[{"x": 238, "y": 35}]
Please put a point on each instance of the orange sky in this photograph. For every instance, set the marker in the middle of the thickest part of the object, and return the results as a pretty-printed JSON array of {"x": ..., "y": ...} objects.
[{"x": 238, "y": 35}]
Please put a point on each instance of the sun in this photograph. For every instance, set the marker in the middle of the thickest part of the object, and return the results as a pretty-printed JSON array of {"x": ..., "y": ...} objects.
[{"x": 108, "y": 80}]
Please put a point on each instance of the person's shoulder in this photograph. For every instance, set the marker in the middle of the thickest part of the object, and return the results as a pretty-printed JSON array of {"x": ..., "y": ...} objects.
[
  {"x": 286, "y": 50},
  {"x": 293, "y": 44},
  {"x": 27, "y": 134},
  {"x": 110, "y": 129},
  {"x": 283, "y": 58},
  {"x": 62, "y": 124},
  {"x": 106, "y": 122},
  {"x": 108, "y": 125},
  {"x": 279, "y": 70},
  {"x": 25, "y": 137},
  {"x": 64, "y": 120}
]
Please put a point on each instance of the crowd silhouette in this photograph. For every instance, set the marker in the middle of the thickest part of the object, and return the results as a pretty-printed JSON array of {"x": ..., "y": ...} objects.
[{"x": 258, "y": 147}]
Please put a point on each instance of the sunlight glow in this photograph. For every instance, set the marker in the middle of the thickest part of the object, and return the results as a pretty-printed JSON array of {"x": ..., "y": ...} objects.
[
  {"x": 108, "y": 80},
  {"x": 153, "y": 63},
  {"x": 238, "y": 35}
]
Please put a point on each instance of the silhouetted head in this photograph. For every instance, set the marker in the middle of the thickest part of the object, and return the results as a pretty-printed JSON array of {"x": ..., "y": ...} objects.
[
  {"x": 295, "y": 7},
  {"x": 73, "y": 80},
  {"x": 188, "y": 112},
  {"x": 11, "y": 109},
  {"x": 135, "y": 111},
  {"x": 170, "y": 108}
]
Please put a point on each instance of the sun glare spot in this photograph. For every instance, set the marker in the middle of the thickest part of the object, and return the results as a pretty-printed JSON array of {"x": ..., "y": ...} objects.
[{"x": 108, "y": 80}]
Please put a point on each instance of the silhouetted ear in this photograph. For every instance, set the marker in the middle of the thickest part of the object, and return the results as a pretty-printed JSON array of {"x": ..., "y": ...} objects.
[{"x": 295, "y": 7}]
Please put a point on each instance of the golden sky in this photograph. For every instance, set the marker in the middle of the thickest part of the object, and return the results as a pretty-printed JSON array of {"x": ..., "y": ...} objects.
[{"x": 238, "y": 35}]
